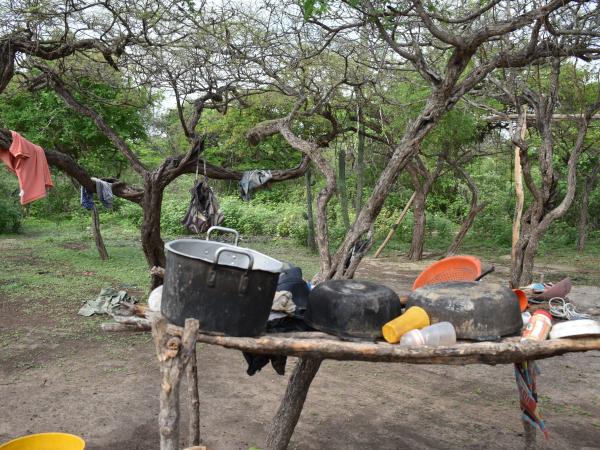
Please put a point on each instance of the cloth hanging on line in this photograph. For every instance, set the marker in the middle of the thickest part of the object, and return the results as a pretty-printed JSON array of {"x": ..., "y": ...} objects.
[
  {"x": 86, "y": 198},
  {"x": 204, "y": 211},
  {"x": 104, "y": 191},
  {"x": 252, "y": 180},
  {"x": 28, "y": 162}
]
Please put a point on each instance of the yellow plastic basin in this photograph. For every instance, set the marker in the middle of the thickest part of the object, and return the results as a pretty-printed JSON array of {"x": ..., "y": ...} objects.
[{"x": 45, "y": 441}]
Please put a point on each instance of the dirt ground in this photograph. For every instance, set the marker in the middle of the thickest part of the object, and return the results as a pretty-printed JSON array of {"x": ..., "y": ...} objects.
[{"x": 104, "y": 387}]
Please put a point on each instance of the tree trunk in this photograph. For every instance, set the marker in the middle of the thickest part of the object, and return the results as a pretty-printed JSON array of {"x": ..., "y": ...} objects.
[
  {"x": 342, "y": 189},
  {"x": 360, "y": 163},
  {"x": 519, "y": 194},
  {"x": 419, "y": 221},
  {"x": 588, "y": 187},
  {"x": 312, "y": 245},
  {"x": 291, "y": 405},
  {"x": 152, "y": 243},
  {"x": 403, "y": 153},
  {"x": 583, "y": 218},
  {"x": 528, "y": 258},
  {"x": 543, "y": 213},
  {"x": 519, "y": 251},
  {"x": 475, "y": 209},
  {"x": 464, "y": 229},
  {"x": 97, "y": 236}
]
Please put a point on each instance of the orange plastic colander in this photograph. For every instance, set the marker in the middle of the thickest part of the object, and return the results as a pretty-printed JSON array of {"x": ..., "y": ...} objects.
[{"x": 452, "y": 268}]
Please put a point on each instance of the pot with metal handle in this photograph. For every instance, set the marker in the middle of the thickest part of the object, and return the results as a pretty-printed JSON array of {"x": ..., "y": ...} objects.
[
  {"x": 228, "y": 289},
  {"x": 225, "y": 230}
]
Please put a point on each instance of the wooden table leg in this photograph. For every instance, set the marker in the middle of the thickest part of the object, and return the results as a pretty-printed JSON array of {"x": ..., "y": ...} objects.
[
  {"x": 173, "y": 354},
  {"x": 286, "y": 418},
  {"x": 193, "y": 402}
]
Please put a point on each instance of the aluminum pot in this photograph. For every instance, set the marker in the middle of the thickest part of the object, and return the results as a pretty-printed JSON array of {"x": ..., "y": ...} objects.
[{"x": 229, "y": 289}]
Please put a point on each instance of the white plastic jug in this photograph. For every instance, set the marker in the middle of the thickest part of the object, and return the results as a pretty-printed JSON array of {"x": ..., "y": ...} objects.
[{"x": 441, "y": 333}]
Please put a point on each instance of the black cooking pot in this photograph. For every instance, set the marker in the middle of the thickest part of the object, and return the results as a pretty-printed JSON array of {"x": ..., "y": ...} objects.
[
  {"x": 229, "y": 289},
  {"x": 351, "y": 308},
  {"x": 479, "y": 311}
]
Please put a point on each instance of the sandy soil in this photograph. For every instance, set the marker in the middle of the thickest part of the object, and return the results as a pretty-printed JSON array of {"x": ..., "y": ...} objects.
[{"x": 104, "y": 387}]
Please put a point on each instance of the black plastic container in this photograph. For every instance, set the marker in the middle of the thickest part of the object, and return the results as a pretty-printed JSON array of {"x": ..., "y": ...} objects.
[{"x": 228, "y": 289}]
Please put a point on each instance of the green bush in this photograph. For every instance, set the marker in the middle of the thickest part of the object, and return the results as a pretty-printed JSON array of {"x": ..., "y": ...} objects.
[
  {"x": 128, "y": 211},
  {"x": 172, "y": 212},
  {"x": 10, "y": 216},
  {"x": 385, "y": 221},
  {"x": 560, "y": 234},
  {"x": 10, "y": 210},
  {"x": 439, "y": 226},
  {"x": 61, "y": 202},
  {"x": 282, "y": 219}
]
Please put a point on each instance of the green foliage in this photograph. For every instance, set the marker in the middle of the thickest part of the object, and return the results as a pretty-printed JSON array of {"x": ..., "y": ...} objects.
[
  {"x": 62, "y": 201},
  {"x": 10, "y": 209},
  {"x": 131, "y": 212},
  {"x": 228, "y": 146},
  {"x": 10, "y": 216},
  {"x": 173, "y": 210},
  {"x": 312, "y": 8},
  {"x": 43, "y": 118},
  {"x": 262, "y": 219}
]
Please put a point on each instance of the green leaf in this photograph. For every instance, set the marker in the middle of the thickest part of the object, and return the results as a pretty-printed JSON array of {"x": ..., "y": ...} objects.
[{"x": 308, "y": 7}]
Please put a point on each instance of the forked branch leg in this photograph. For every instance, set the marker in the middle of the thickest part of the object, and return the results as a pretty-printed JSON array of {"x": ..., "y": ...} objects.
[
  {"x": 286, "y": 418},
  {"x": 173, "y": 354}
]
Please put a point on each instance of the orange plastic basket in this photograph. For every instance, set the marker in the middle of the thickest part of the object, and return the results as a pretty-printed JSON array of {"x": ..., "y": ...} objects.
[{"x": 452, "y": 268}]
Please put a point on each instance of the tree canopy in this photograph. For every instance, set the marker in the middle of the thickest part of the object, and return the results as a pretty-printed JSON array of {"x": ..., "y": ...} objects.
[{"x": 412, "y": 79}]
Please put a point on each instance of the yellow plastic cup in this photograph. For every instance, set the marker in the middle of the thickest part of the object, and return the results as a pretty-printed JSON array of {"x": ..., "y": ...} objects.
[
  {"x": 415, "y": 317},
  {"x": 45, "y": 441}
]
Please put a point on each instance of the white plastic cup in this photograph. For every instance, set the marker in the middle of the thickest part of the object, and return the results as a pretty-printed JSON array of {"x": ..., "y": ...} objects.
[{"x": 441, "y": 333}]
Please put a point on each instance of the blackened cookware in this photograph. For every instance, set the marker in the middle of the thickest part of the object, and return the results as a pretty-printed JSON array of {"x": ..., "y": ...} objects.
[
  {"x": 351, "y": 309},
  {"x": 229, "y": 289}
]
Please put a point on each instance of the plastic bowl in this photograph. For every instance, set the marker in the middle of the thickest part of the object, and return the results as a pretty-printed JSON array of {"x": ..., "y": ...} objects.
[
  {"x": 46, "y": 441},
  {"x": 523, "y": 301},
  {"x": 452, "y": 268}
]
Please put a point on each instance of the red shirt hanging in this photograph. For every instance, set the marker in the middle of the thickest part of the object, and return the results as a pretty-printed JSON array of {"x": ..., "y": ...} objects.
[{"x": 28, "y": 162}]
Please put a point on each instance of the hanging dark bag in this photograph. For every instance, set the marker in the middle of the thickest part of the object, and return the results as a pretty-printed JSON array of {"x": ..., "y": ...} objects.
[{"x": 203, "y": 211}]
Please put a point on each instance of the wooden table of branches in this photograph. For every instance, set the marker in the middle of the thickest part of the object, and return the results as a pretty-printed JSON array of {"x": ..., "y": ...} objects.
[{"x": 176, "y": 352}]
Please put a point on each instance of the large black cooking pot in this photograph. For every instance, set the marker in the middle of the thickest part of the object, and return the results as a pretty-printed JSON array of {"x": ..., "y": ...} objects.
[
  {"x": 351, "y": 309},
  {"x": 479, "y": 311},
  {"x": 229, "y": 289}
]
